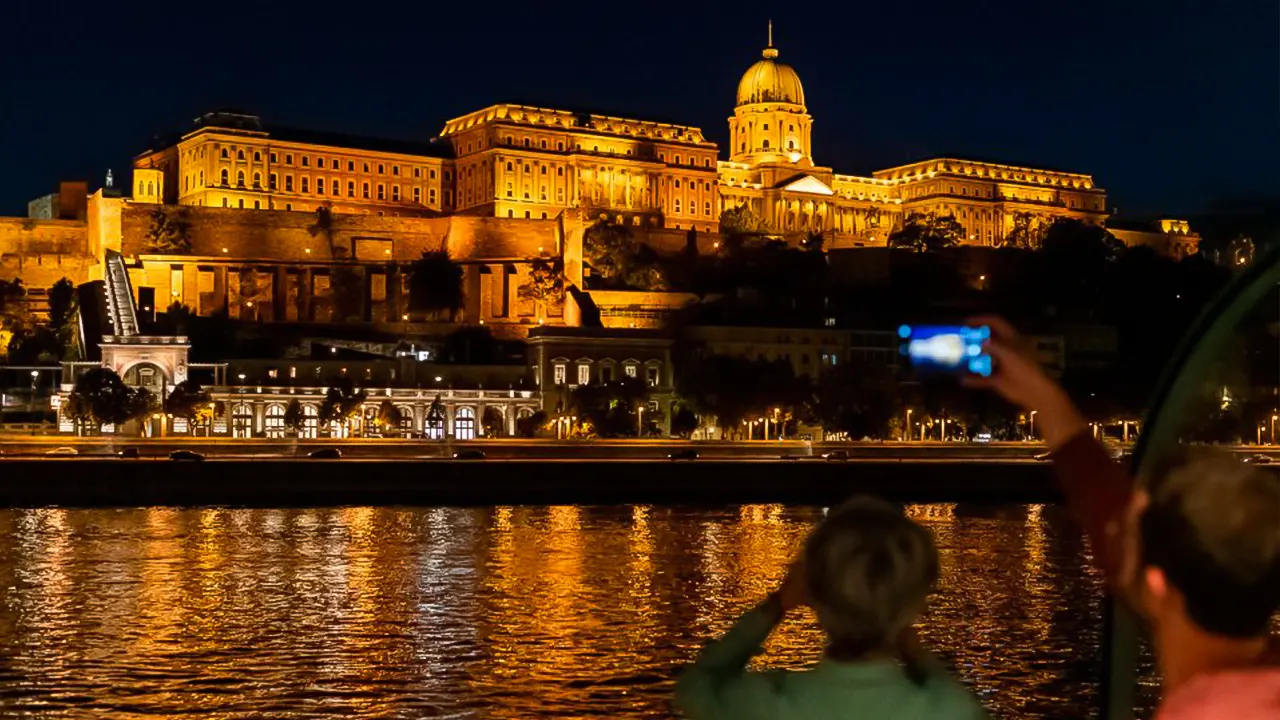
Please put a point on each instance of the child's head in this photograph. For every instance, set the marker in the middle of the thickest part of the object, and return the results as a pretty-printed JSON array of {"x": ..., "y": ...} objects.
[{"x": 869, "y": 569}]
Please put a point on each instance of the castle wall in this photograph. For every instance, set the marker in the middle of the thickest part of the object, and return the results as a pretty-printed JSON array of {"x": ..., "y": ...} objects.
[{"x": 41, "y": 252}]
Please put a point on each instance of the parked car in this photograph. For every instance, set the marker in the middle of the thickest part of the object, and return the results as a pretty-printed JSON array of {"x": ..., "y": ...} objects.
[
  {"x": 65, "y": 451},
  {"x": 982, "y": 437},
  {"x": 840, "y": 455},
  {"x": 686, "y": 454},
  {"x": 186, "y": 456},
  {"x": 129, "y": 453},
  {"x": 1258, "y": 460},
  {"x": 469, "y": 455},
  {"x": 325, "y": 454}
]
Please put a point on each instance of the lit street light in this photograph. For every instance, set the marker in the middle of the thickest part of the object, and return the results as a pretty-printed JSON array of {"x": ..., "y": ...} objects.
[{"x": 1032, "y": 430}]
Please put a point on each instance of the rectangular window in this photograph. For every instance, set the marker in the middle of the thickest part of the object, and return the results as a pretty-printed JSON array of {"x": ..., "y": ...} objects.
[
  {"x": 304, "y": 184},
  {"x": 559, "y": 372},
  {"x": 417, "y": 194},
  {"x": 433, "y": 174},
  {"x": 366, "y": 167},
  {"x": 271, "y": 181},
  {"x": 337, "y": 188},
  {"x": 395, "y": 193},
  {"x": 432, "y": 195},
  {"x": 366, "y": 191},
  {"x": 382, "y": 169},
  {"x": 584, "y": 374},
  {"x": 395, "y": 170},
  {"x": 288, "y": 159},
  {"x": 631, "y": 371},
  {"x": 606, "y": 374},
  {"x": 288, "y": 183},
  {"x": 351, "y": 188},
  {"x": 351, "y": 166},
  {"x": 273, "y": 157},
  {"x": 382, "y": 191},
  {"x": 306, "y": 161},
  {"x": 319, "y": 186},
  {"x": 417, "y": 172},
  {"x": 651, "y": 376}
]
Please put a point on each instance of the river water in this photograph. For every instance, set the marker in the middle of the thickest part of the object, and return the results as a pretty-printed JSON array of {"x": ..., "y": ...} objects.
[{"x": 503, "y": 612}]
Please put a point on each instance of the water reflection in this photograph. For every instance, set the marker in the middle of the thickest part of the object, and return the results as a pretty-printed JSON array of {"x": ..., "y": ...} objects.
[{"x": 506, "y": 612}]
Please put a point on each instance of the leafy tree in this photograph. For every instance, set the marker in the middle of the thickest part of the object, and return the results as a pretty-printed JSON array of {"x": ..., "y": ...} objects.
[
  {"x": 15, "y": 318},
  {"x": 733, "y": 388},
  {"x": 389, "y": 416},
  {"x": 738, "y": 220},
  {"x": 684, "y": 422},
  {"x": 1028, "y": 231},
  {"x": 62, "y": 303},
  {"x": 546, "y": 285},
  {"x": 619, "y": 262},
  {"x": 341, "y": 401},
  {"x": 191, "y": 401},
  {"x": 813, "y": 242},
  {"x": 858, "y": 399},
  {"x": 527, "y": 427},
  {"x": 492, "y": 422},
  {"x": 610, "y": 408},
  {"x": 435, "y": 414},
  {"x": 169, "y": 231},
  {"x": 927, "y": 232},
  {"x": 100, "y": 397},
  {"x": 293, "y": 417},
  {"x": 435, "y": 283}
]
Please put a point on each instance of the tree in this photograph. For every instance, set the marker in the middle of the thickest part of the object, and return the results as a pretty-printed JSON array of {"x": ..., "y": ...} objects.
[
  {"x": 619, "y": 262},
  {"x": 546, "y": 285},
  {"x": 492, "y": 421},
  {"x": 15, "y": 318},
  {"x": 738, "y": 220},
  {"x": 1028, "y": 231},
  {"x": 62, "y": 303},
  {"x": 813, "y": 241},
  {"x": 435, "y": 417},
  {"x": 858, "y": 399},
  {"x": 389, "y": 416},
  {"x": 169, "y": 231},
  {"x": 435, "y": 283},
  {"x": 611, "y": 408},
  {"x": 927, "y": 232},
  {"x": 341, "y": 401},
  {"x": 100, "y": 397},
  {"x": 293, "y": 417},
  {"x": 684, "y": 422},
  {"x": 528, "y": 426},
  {"x": 190, "y": 401}
]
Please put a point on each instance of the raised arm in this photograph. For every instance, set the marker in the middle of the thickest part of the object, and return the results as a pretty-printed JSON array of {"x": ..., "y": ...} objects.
[{"x": 1098, "y": 491}]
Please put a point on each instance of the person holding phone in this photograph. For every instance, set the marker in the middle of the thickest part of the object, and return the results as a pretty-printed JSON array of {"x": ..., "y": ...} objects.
[
  {"x": 1194, "y": 549},
  {"x": 866, "y": 572}
]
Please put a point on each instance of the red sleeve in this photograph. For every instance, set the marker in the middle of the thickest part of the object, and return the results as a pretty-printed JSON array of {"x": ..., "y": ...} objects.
[{"x": 1097, "y": 492}]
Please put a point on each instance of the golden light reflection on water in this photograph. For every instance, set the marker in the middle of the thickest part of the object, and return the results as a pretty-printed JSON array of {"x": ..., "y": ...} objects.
[{"x": 506, "y": 612}]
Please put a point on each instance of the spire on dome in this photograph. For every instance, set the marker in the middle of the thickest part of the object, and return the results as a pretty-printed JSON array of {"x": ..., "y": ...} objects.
[{"x": 770, "y": 52}]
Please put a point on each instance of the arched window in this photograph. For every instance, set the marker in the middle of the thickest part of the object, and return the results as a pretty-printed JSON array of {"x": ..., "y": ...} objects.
[
  {"x": 766, "y": 144},
  {"x": 544, "y": 169},
  {"x": 510, "y": 167},
  {"x": 527, "y": 143},
  {"x": 791, "y": 144},
  {"x": 151, "y": 188},
  {"x": 201, "y": 178},
  {"x": 257, "y": 156},
  {"x": 257, "y": 180},
  {"x": 239, "y": 154},
  {"x": 464, "y": 424},
  {"x": 224, "y": 154},
  {"x": 560, "y": 171},
  {"x": 543, "y": 144},
  {"x": 274, "y": 423},
  {"x": 240, "y": 178},
  {"x": 435, "y": 423},
  {"x": 224, "y": 176},
  {"x": 743, "y": 148},
  {"x": 406, "y": 418},
  {"x": 242, "y": 420},
  {"x": 310, "y": 422}
]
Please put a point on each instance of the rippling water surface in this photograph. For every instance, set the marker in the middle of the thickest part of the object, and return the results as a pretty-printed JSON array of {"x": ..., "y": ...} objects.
[{"x": 484, "y": 613}]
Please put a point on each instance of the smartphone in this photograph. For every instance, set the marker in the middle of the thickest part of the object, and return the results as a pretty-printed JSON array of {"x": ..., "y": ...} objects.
[{"x": 947, "y": 348}]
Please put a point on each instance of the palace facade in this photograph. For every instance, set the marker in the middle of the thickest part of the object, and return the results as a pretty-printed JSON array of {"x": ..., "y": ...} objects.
[{"x": 522, "y": 162}]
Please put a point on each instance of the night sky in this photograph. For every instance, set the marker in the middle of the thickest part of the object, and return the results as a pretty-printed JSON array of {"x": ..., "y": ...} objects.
[{"x": 1172, "y": 105}]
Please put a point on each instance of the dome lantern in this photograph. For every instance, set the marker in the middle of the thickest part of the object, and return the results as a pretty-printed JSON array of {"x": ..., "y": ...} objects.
[{"x": 769, "y": 81}]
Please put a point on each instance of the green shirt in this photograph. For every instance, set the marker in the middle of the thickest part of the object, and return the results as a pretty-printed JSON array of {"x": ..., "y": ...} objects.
[{"x": 718, "y": 686}]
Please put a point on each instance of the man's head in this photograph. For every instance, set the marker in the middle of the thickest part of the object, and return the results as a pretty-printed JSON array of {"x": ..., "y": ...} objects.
[
  {"x": 1203, "y": 544},
  {"x": 869, "y": 569}
]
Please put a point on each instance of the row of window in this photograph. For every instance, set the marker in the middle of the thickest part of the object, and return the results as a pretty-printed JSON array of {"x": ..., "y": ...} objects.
[
  {"x": 560, "y": 373},
  {"x": 336, "y": 187},
  {"x": 662, "y": 156},
  {"x": 333, "y": 163}
]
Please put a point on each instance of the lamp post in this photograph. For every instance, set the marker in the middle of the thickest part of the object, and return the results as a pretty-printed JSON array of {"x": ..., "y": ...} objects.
[
  {"x": 765, "y": 424},
  {"x": 907, "y": 434},
  {"x": 35, "y": 375},
  {"x": 640, "y": 421},
  {"x": 1273, "y": 428},
  {"x": 1032, "y": 430}
]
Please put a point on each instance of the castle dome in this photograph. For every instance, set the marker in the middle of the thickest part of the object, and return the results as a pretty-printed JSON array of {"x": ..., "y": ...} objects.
[{"x": 770, "y": 81}]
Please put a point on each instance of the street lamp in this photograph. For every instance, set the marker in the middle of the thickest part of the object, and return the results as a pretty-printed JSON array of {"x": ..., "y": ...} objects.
[
  {"x": 908, "y": 433},
  {"x": 1273, "y": 428},
  {"x": 1032, "y": 430},
  {"x": 35, "y": 375}
]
